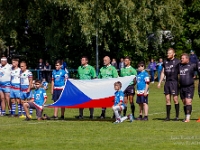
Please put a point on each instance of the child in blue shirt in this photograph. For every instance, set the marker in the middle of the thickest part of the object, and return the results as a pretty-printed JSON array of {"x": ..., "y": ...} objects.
[
  {"x": 37, "y": 102},
  {"x": 142, "y": 91},
  {"x": 119, "y": 103}
]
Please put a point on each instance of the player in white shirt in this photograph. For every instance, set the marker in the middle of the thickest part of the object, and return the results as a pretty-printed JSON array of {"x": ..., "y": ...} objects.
[
  {"x": 15, "y": 87},
  {"x": 5, "y": 76},
  {"x": 25, "y": 86}
]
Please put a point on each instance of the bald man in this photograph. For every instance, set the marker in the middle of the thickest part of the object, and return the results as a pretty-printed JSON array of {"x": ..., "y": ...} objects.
[
  {"x": 5, "y": 77},
  {"x": 106, "y": 72}
]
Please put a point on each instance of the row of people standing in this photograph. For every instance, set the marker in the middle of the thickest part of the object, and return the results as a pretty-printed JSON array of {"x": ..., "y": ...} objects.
[{"x": 85, "y": 71}]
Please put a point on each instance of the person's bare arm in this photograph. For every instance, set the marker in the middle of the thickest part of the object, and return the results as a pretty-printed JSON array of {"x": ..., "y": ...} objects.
[{"x": 162, "y": 75}]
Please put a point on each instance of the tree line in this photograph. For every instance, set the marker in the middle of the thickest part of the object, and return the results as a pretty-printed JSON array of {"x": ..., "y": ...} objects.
[{"x": 142, "y": 29}]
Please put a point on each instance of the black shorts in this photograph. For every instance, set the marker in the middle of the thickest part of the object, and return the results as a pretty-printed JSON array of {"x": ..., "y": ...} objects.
[
  {"x": 56, "y": 95},
  {"x": 187, "y": 92},
  {"x": 130, "y": 90},
  {"x": 142, "y": 99},
  {"x": 171, "y": 87}
]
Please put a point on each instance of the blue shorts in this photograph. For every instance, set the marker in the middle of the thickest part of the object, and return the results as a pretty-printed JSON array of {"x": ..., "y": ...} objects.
[
  {"x": 5, "y": 89},
  {"x": 25, "y": 95},
  {"x": 56, "y": 95},
  {"x": 142, "y": 99},
  {"x": 14, "y": 93}
]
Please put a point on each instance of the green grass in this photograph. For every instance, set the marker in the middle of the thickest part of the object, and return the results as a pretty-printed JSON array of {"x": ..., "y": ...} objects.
[{"x": 85, "y": 134}]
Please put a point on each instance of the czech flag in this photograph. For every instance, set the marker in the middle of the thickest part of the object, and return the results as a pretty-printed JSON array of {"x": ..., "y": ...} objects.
[{"x": 90, "y": 93}]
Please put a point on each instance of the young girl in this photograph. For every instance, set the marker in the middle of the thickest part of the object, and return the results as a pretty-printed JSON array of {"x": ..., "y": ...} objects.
[{"x": 142, "y": 91}]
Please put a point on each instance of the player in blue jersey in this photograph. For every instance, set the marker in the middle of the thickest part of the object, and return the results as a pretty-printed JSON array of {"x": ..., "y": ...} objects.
[
  {"x": 26, "y": 79},
  {"x": 142, "y": 91},
  {"x": 44, "y": 84},
  {"x": 119, "y": 103},
  {"x": 15, "y": 87},
  {"x": 37, "y": 102},
  {"x": 59, "y": 77},
  {"x": 5, "y": 76}
]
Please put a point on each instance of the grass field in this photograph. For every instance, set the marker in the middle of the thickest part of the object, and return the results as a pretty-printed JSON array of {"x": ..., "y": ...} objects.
[{"x": 84, "y": 134}]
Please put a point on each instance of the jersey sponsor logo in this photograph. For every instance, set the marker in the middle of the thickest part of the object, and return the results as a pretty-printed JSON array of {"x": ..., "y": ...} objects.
[{"x": 183, "y": 71}]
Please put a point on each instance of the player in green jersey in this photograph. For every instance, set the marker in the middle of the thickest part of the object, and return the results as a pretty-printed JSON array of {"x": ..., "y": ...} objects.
[
  {"x": 130, "y": 90},
  {"x": 85, "y": 72},
  {"x": 107, "y": 71}
]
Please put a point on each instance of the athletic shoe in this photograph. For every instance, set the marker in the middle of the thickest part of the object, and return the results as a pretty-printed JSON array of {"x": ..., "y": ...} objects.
[
  {"x": 131, "y": 118},
  {"x": 30, "y": 116},
  {"x": 176, "y": 119},
  {"x": 55, "y": 117},
  {"x": 117, "y": 121},
  {"x": 102, "y": 116},
  {"x": 186, "y": 121},
  {"x": 167, "y": 119},
  {"x": 45, "y": 117},
  {"x": 27, "y": 119},
  {"x": 62, "y": 118},
  {"x": 198, "y": 120},
  {"x": 139, "y": 118},
  {"x": 145, "y": 119},
  {"x": 22, "y": 116},
  {"x": 91, "y": 117},
  {"x": 79, "y": 117}
]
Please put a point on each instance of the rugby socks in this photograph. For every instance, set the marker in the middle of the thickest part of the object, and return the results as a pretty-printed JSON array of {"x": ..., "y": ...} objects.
[
  {"x": 81, "y": 112},
  {"x": 10, "y": 111},
  {"x": 23, "y": 111},
  {"x": 3, "y": 112},
  {"x": 168, "y": 109},
  {"x": 184, "y": 108},
  {"x": 103, "y": 114},
  {"x": 124, "y": 111},
  {"x": 13, "y": 109},
  {"x": 19, "y": 109},
  {"x": 30, "y": 111},
  {"x": 91, "y": 111},
  {"x": 177, "y": 110},
  {"x": 133, "y": 109},
  {"x": 188, "y": 111}
]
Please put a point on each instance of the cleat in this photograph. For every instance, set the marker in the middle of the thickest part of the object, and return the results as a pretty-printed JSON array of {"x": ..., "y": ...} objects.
[
  {"x": 22, "y": 116},
  {"x": 102, "y": 116},
  {"x": 167, "y": 119},
  {"x": 186, "y": 121},
  {"x": 30, "y": 116},
  {"x": 139, "y": 118},
  {"x": 176, "y": 119},
  {"x": 27, "y": 119},
  {"x": 131, "y": 118},
  {"x": 62, "y": 118},
  {"x": 145, "y": 119},
  {"x": 79, "y": 117},
  {"x": 198, "y": 120},
  {"x": 91, "y": 117},
  {"x": 117, "y": 121},
  {"x": 54, "y": 117}
]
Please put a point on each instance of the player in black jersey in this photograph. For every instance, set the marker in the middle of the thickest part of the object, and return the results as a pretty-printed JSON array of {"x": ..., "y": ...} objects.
[
  {"x": 171, "y": 71},
  {"x": 187, "y": 73}
]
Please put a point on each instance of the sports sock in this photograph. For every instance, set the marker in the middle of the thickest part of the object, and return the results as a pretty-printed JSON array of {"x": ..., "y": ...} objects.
[
  {"x": 13, "y": 109},
  {"x": 133, "y": 109},
  {"x": 81, "y": 111},
  {"x": 188, "y": 111},
  {"x": 184, "y": 108},
  {"x": 19, "y": 109},
  {"x": 3, "y": 112},
  {"x": 177, "y": 110},
  {"x": 10, "y": 111},
  {"x": 30, "y": 111},
  {"x": 168, "y": 108},
  {"x": 124, "y": 118},
  {"x": 91, "y": 111},
  {"x": 124, "y": 111},
  {"x": 23, "y": 111}
]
